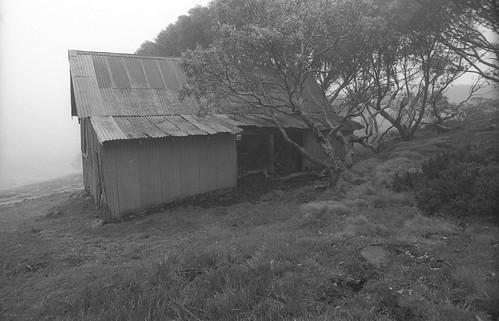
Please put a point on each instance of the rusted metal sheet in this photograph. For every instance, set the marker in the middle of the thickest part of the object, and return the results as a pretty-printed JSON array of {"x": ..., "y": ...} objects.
[
  {"x": 136, "y": 73},
  {"x": 106, "y": 84},
  {"x": 118, "y": 72},
  {"x": 144, "y": 102},
  {"x": 147, "y": 127},
  {"x": 112, "y": 128},
  {"x": 173, "y": 106},
  {"x": 115, "y": 102},
  {"x": 87, "y": 97},
  {"x": 128, "y": 127},
  {"x": 223, "y": 123},
  {"x": 107, "y": 129},
  {"x": 199, "y": 123},
  {"x": 186, "y": 125},
  {"x": 153, "y": 74},
  {"x": 166, "y": 126},
  {"x": 102, "y": 73},
  {"x": 169, "y": 73}
]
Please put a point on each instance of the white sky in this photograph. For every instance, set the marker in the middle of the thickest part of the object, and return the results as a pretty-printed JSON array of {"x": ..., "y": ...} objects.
[{"x": 38, "y": 138}]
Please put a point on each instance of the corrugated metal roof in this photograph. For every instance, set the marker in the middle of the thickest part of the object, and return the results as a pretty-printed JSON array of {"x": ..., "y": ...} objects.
[
  {"x": 112, "y": 128},
  {"x": 133, "y": 97},
  {"x": 108, "y": 84}
]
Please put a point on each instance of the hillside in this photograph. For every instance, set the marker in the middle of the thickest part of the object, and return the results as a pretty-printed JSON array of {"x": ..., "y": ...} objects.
[
  {"x": 458, "y": 93},
  {"x": 357, "y": 251}
]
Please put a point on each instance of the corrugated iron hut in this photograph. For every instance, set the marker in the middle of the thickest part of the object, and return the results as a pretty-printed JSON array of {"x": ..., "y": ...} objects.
[{"x": 141, "y": 146}]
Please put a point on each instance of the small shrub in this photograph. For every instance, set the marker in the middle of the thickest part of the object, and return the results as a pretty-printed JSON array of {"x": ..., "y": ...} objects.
[
  {"x": 461, "y": 183},
  {"x": 407, "y": 181}
]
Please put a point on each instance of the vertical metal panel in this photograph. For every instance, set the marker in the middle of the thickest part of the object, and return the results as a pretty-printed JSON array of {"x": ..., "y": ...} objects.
[
  {"x": 171, "y": 182},
  {"x": 208, "y": 165},
  {"x": 110, "y": 173},
  {"x": 94, "y": 170},
  {"x": 162, "y": 169},
  {"x": 101, "y": 71},
  {"x": 149, "y": 180},
  {"x": 134, "y": 175},
  {"x": 118, "y": 72},
  {"x": 136, "y": 73},
  {"x": 188, "y": 161},
  {"x": 85, "y": 161},
  {"x": 139, "y": 175},
  {"x": 153, "y": 74},
  {"x": 225, "y": 150}
]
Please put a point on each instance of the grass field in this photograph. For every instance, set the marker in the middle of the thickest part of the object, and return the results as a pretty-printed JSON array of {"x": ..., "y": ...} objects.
[{"x": 357, "y": 251}]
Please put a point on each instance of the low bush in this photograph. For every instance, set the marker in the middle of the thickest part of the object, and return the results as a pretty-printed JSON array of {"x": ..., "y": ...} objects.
[{"x": 460, "y": 183}]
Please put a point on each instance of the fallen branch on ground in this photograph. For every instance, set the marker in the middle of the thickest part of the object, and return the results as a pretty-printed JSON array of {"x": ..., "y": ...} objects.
[{"x": 301, "y": 175}]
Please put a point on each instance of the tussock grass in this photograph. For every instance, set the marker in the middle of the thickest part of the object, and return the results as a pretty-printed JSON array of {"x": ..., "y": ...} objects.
[
  {"x": 280, "y": 260},
  {"x": 388, "y": 198},
  {"x": 323, "y": 210},
  {"x": 425, "y": 226},
  {"x": 352, "y": 177},
  {"x": 360, "y": 192},
  {"x": 360, "y": 225}
]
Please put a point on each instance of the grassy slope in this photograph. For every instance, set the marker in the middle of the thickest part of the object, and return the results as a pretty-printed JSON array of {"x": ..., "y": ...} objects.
[{"x": 273, "y": 260}]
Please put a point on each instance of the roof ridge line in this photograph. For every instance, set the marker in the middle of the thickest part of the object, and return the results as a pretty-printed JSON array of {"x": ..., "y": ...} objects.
[{"x": 118, "y": 54}]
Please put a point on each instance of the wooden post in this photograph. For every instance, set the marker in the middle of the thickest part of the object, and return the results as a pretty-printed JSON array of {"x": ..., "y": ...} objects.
[{"x": 270, "y": 151}]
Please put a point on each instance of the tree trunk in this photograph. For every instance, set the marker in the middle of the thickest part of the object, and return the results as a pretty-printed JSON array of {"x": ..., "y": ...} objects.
[{"x": 404, "y": 133}]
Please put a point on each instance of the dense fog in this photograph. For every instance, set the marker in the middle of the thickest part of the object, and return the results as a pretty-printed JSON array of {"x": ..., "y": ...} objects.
[{"x": 38, "y": 138}]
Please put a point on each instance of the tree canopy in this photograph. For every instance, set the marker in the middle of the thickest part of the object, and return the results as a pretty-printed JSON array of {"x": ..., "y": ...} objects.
[
  {"x": 188, "y": 32},
  {"x": 372, "y": 58}
]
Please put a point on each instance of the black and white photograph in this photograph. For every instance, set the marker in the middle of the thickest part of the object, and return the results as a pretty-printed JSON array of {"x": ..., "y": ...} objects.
[{"x": 247, "y": 160}]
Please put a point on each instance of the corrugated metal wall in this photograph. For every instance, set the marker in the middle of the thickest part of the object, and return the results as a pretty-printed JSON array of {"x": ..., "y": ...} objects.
[
  {"x": 143, "y": 173},
  {"x": 91, "y": 156}
]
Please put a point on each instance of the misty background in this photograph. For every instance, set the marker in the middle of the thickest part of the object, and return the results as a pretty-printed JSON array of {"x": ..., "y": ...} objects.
[{"x": 39, "y": 139}]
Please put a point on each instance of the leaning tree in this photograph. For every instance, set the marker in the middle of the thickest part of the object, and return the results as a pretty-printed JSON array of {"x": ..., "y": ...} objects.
[
  {"x": 267, "y": 53},
  {"x": 410, "y": 66}
]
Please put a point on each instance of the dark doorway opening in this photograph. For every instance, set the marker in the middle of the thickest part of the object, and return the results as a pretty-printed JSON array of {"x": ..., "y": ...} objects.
[{"x": 267, "y": 150}]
